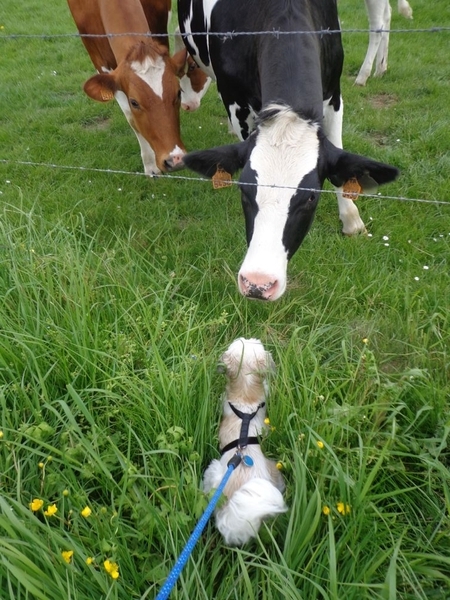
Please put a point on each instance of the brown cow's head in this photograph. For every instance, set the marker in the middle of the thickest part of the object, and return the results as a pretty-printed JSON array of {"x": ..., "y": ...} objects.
[{"x": 147, "y": 88}]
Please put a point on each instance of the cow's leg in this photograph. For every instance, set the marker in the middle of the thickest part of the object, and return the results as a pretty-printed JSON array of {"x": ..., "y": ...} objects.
[
  {"x": 348, "y": 212},
  {"x": 147, "y": 153},
  {"x": 381, "y": 62},
  {"x": 405, "y": 9},
  {"x": 375, "y": 11}
]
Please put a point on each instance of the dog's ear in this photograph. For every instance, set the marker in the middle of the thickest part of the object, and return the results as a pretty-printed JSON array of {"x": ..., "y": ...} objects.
[
  {"x": 229, "y": 364},
  {"x": 267, "y": 364}
]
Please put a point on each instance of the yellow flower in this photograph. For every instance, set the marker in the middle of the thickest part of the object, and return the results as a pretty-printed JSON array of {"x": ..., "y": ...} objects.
[
  {"x": 51, "y": 510},
  {"x": 67, "y": 555},
  {"x": 279, "y": 465},
  {"x": 326, "y": 510},
  {"x": 36, "y": 504},
  {"x": 89, "y": 560},
  {"x": 86, "y": 512},
  {"x": 111, "y": 568},
  {"x": 365, "y": 341},
  {"x": 41, "y": 465},
  {"x": 1, "y": 434},
  {"x": 320, "y": 444},
  {"x": 267, "y": 421},
  {"x": 344, "y": 509}
]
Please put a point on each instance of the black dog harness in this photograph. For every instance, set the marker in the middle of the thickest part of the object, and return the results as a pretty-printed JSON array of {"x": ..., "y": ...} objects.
[{"x": 243, "y": 441}]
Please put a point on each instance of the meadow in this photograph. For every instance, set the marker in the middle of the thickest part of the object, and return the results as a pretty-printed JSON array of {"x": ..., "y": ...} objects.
[{"x": 118, "y": 296}]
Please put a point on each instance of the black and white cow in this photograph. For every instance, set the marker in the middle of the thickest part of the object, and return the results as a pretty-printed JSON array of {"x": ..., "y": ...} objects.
[{"x": 282, "y": 95}]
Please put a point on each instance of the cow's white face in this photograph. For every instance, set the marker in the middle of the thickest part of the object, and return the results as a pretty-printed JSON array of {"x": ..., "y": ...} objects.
[
  {"x": 284, "y": 163},
  {"x": 194, "y": 85},
  {"x": 284, "y": 158}
]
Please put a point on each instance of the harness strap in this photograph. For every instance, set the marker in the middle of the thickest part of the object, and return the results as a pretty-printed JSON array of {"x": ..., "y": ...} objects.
[
  {"x": 244, "y": 440},
  {"x": 235, "y": 444}
]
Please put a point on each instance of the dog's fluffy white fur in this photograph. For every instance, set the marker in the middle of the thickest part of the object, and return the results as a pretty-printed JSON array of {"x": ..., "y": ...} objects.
[{"x": 253, "y": 493}]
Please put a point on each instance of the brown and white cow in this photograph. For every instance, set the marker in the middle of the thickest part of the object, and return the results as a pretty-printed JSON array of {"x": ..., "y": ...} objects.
[
  {"x": 195, "y": 82},
  {"x": 136, "y": 70}
]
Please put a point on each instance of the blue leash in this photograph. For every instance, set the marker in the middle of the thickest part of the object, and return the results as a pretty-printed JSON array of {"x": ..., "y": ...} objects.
[{"x": 183, "y": 558}]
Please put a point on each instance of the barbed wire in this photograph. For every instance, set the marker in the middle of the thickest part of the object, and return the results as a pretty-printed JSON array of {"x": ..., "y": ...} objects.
[
  {"x": 203, "y": 179},
  {"x": 224, "y": 34}
]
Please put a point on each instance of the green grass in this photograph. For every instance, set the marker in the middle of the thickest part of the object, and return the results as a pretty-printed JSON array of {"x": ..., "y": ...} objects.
[{"x": 119, "y": 295}]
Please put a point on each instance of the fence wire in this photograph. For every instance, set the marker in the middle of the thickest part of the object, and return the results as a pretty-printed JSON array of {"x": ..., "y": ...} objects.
[
  {"x": 204, "y": 180},
  {"x": 224, "y": 34}
]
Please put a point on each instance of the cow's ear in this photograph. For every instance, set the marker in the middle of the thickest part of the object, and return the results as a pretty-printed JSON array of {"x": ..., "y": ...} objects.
[
  {"x": 179, "y": 62},
  {"x": 101, "y": 87},
  {"x": 342, "y": 166},
  {"x": 229, "y": 158}
]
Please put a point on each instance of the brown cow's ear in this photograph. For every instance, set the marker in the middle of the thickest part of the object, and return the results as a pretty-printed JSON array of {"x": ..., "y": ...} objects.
[
  {"x": 179, "y": 61},
  {"x": 101, "y": 87}
]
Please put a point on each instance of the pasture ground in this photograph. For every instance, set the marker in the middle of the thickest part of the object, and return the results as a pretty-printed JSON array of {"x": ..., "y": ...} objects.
[{"x": 119, "y": 295}]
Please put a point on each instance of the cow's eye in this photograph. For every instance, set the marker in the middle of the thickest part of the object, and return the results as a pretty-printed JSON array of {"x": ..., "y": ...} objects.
[
  {"x": 134, "y": 103},
  {"x": 312, "y": 198}
]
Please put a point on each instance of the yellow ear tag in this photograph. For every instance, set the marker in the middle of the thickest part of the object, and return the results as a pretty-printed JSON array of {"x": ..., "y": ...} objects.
[
  {"x": 221, "y": 179},
  {"x": 106, "y": 94},
  {"x": 351, "y": 189}
]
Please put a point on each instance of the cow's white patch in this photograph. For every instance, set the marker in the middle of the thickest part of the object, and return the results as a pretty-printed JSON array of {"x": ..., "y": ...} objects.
[
  {"x": 190, "y": 99},
  {"x": 286, "y": 150},
  {"x": 348, "y": 211},
  {"x": 234, "y": 121},
  {"x": 147, "y": 152},
  {"x": 151, "y": 71},
  {"x": 122, "y": 101},
  {"x": 177, "y": 151},
  {"x": 148, "y": 156},
  {"x": 208, "y": 6}
]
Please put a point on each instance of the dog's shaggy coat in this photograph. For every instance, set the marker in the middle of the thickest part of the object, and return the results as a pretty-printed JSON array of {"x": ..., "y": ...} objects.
[{"x": 253, "y": 493}]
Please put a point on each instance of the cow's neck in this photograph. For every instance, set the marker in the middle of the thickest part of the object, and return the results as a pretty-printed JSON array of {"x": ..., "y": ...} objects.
[{"x": 123, "y": 17}]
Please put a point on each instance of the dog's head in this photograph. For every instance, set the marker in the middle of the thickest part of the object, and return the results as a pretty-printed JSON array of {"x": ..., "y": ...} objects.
[{"x": 246, "y": 362}]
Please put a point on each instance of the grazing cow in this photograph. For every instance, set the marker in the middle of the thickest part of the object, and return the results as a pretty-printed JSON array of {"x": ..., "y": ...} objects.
[
  {"x": 291, "y": 82},
  {"x": 379, "y": 12},
  {"x": 137, "y": 71},
  {"x": 194, "y": 83}
]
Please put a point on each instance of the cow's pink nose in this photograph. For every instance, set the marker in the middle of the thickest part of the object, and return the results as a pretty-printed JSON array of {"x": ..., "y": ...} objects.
[
  {"x": 258, "y": 285},
  {"x": 190, "y": 107}
]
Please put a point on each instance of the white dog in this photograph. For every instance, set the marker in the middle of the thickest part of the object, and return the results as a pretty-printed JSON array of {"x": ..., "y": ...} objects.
[{"x": 254, "y": 490}]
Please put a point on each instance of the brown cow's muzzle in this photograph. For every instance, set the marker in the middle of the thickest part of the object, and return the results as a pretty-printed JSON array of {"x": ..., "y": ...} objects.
[{"x": 174, "y": 162}]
